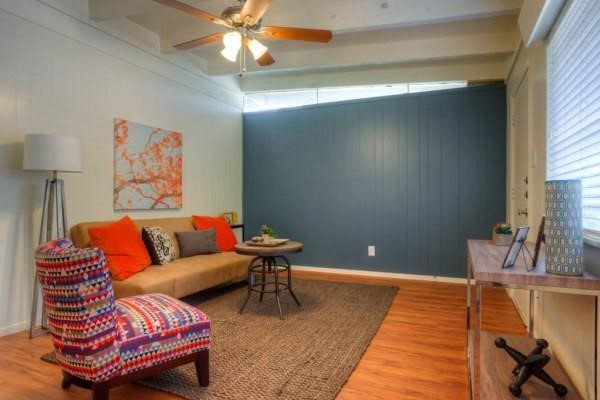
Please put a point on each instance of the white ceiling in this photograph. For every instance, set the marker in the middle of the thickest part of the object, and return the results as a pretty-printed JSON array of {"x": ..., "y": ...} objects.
[{"x": 366, "y": 32}]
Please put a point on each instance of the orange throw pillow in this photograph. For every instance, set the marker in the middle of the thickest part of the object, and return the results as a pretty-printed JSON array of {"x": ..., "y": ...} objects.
[
  {"x": 123, "y": 247},
  {"x": 226, "y": 239}
]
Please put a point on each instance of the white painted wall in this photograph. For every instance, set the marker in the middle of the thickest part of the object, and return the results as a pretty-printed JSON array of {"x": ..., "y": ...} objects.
[
  {"x": 566, "y": 321},
  {"x": 61, "y": 75}
]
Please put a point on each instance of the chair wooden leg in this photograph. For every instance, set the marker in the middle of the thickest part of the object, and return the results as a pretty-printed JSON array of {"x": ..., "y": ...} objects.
[
  {"x": 202, "y": 368},
  {"x": 100, "y": 391},
  {"x": 66, "y": 382}
]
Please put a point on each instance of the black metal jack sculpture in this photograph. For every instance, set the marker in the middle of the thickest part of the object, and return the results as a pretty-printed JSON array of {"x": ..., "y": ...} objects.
[{"x": 528, "y": 365}]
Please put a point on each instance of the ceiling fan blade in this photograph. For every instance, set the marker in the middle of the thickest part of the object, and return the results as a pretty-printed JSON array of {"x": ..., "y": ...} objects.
[
  {"x": 254, "y": 10},
  {"x": 266, "y": 59},
  {"x": 183, "y": 7},
  {"x": 283, "y": 32},
  {"x": 190, "y": 44}
]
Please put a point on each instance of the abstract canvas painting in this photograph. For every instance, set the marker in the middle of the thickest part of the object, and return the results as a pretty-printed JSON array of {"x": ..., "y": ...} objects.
[{"x": 148, "y": 167}]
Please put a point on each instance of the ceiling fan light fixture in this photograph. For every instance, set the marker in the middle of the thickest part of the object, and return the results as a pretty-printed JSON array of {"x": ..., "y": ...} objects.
[
  {"x": 257, "y": 48},
  {"x": 230, "y": 53}
]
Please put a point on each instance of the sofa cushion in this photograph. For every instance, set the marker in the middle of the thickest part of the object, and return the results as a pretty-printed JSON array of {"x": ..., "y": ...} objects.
[
  {"x": 154, "y": 328},
  {"x": 193, "y": 243},
  {"x": 159, "y": 245},
  {"x": 123, "y": 247},
  {"x": 226, "y": 239}
]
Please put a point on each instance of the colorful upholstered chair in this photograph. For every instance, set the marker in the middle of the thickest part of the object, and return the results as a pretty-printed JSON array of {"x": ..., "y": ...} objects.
[{"x": 101, "y": 342}]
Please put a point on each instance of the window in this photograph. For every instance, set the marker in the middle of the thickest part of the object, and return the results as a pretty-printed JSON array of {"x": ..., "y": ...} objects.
[
  {"x": 272, "y": 100},
  {"x": 574, "y": 106}
]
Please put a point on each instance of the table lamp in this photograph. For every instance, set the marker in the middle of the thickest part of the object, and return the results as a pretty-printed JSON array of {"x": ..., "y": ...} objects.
[{"x": 53, "y": 153}]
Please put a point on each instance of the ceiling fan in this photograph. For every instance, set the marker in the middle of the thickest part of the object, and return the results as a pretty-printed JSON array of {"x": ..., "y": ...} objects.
[{"x": 244, "y": 23}]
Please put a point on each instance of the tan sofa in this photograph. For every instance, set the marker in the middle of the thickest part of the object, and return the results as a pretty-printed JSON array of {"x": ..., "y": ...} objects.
[{"x": 182, "y": 277}]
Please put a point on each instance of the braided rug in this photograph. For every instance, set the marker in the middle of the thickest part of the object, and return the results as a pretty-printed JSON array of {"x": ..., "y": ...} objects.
[{"x": 309, "y": 355}]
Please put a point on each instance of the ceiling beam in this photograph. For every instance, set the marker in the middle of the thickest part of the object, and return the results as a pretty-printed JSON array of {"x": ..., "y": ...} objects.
[
  {"x": 349, "y": 16},
  {"x": 353, "y": 17},
  {"x": 366, "y": 32},
  {"x": 477, "y": 38}
]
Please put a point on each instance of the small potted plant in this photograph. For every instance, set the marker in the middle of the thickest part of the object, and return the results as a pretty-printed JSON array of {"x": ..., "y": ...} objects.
[
  {"x": 267, "y": 233},
  {"x": 502, "y": 235}
]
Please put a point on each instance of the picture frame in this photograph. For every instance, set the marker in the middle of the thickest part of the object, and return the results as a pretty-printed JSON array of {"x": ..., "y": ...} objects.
[
  {"x": 515, "y": 247},
  {"x": 229, "y": 217}
]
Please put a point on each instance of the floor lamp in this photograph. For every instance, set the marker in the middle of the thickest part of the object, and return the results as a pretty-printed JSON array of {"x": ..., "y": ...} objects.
[{"x": 55, "y": 154}]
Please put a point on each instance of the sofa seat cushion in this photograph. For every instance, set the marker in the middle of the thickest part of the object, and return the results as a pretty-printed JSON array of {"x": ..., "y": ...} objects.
[
  {"x": 208, "y": 270},
  {"x": 154, "y": 279},
  {"x": 185, "y": 276},
  {"x": 155, "y": 328}
]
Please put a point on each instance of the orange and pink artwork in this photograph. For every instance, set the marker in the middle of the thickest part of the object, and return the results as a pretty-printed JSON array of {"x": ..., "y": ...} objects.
[{"x": 148, "y": 167}]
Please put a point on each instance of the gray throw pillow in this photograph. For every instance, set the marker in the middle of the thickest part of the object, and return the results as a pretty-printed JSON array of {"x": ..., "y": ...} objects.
[{"x": 202, "y": 241}]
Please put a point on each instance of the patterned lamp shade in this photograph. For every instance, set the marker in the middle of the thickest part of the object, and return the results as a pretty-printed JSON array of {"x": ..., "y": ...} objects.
[{"x": 564, "y": 229}]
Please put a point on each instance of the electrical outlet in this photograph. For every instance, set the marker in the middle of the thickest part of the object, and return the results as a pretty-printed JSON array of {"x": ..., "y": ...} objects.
[{"x": 371, "y": 251}]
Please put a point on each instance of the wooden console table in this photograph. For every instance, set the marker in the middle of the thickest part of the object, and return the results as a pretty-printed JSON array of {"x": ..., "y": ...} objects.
[{"x": 489, "y": 368}]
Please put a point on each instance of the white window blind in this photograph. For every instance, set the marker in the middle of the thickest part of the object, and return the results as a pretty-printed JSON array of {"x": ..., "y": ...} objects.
[{"x": 574, "y": 105}]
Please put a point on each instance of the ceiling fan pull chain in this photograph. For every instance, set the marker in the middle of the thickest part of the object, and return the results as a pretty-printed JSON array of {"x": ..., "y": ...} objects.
[{"x": 244, "y": 57}]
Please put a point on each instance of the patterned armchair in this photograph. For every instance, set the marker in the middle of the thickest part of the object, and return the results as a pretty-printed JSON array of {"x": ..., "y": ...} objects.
[{"x": 101, "y": 342}]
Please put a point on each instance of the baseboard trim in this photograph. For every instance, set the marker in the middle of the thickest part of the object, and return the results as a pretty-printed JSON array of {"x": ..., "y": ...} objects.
[
  {"x": 377, "y": 274},
  {"x": 14, "y": 328}
]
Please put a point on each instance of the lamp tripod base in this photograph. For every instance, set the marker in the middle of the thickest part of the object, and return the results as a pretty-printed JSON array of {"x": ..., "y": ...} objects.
[{"x": 54, "y": 218}]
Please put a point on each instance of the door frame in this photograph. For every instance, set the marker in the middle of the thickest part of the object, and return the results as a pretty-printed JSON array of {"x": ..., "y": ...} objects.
[{"x": 523, "y": 300}]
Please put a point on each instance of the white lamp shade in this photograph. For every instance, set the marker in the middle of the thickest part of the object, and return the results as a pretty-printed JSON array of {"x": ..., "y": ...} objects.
[
  {"x": 232, "y": 40},
  {"x": 230, "y": 53},
  {"x": 52, "y": 153},
  {"x": 257, "y": 48}
]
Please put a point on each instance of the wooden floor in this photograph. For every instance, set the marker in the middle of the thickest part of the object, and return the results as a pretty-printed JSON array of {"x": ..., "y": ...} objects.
[{"x": 418, "y": 353}]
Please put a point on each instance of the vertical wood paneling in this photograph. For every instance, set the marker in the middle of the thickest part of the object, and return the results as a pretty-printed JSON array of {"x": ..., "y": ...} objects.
[
  {"x": 412, "y": 224},
  {"x": 413, "y": 175}
]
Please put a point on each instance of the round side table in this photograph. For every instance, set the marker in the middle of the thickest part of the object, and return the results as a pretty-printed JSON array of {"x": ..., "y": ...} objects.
[{"x": 269, "y": 261}]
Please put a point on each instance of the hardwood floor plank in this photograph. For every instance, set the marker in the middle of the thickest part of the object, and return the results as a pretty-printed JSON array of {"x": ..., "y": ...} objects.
[{"x": 418, "y": 352}]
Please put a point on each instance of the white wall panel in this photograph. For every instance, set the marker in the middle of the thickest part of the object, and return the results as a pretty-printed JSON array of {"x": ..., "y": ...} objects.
[{"x": 51, "y": 82}]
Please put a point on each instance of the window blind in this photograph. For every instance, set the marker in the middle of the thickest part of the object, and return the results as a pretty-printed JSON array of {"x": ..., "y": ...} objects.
[{"x": 574, "y": 105}]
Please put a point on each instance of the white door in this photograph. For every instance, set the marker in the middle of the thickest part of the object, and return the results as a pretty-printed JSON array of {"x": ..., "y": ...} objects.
[
  {"x": 519, "y": 179},
  {"x": 520, "y": 149}
]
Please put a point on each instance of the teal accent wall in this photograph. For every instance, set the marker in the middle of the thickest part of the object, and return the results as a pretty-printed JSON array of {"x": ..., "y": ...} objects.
[{"x": 414, "y": 175}]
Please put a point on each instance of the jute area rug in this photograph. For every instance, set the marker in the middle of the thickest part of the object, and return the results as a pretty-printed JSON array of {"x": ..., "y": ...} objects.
[{"x": 309, "y": 355}]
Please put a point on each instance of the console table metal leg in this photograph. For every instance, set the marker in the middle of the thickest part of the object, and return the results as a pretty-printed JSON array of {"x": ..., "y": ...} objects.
[
  {"x": 596, "y": 360},
  {"x": 531, "y": 321},
  {"x": 477, "y": 322},
  {"x": 468, "y": 348}
]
